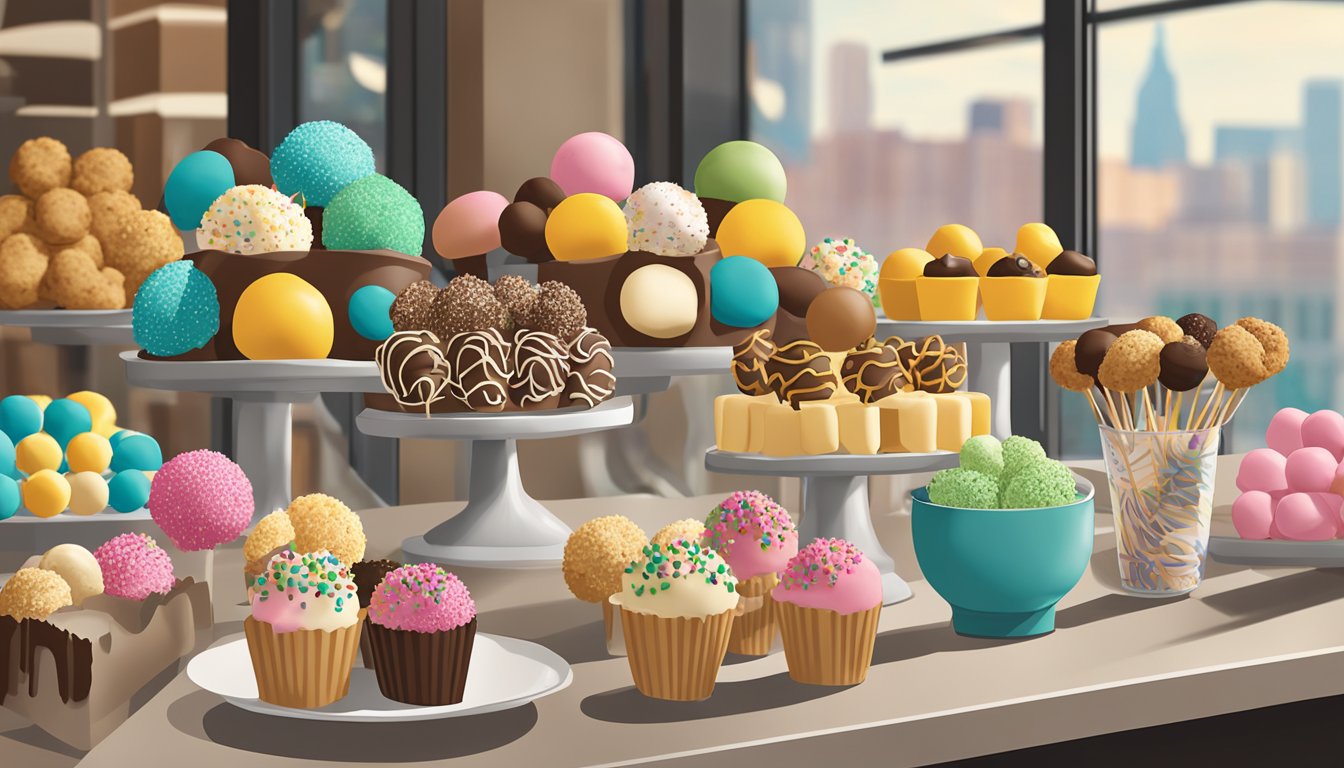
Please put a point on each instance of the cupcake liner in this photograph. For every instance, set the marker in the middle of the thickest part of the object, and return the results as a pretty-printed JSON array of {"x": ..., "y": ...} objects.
[
  {"x": 676, "y": 659},
  {"x": 826, "y": 648},
  {"x": 1070, "y": 297},
  {"x": 611, "y": 622},
  {"x": 1013, "y": 298},
  {"x": 365, "y": 650},
  {"x": 306, "y": 668},
  {"x": 424, "y": 668},
  {"x": 947, "y": 298},
  {"x": 754, "y": 631}
]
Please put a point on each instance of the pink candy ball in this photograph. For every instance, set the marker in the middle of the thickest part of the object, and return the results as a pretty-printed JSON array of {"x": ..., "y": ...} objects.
[
  {"x": 201, "y": 500},
  {"x": 469, "y": 225},
  {"x": 1285, "y": 430},
  {"x": 134, "y": 567},
  {"x": 1262, "y": 470},
  {"x": 1253, "y": 514},
  {"x": 1310, "y": 469},
  {"x": 1306, "y": 517},
  {"x": 1325, "y": 429},
  {"x": 594, "y": 162}
]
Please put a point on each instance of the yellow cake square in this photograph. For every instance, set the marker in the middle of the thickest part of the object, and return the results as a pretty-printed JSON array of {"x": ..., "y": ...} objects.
[
  {"x": 860, "y": 428},
  {"x": 782, "y": 431},
  {"x": 908, "y": 423},
  {"x": 820, "y": 429},
  {"x": 980, "y": 411},
  {"x": 954, "y": 421}
]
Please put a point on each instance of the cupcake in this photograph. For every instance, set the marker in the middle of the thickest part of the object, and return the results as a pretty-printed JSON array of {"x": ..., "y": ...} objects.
[
  {"x": 947, "y": 289},
  {"x": 829, "y": 598},
  {"x": 594, "y": 563},
  {"x": 1013, "y": 288},
  {"x": 677, "y": 608},
  {"x": 1071, "y": 291},
  {"x": 755, "y": 536},
  {"x": 304, "y": 629},
  {"x": 368, "y": 574},
  {"x": 421, "y": 625},
  {"x": 896, "y": 282}
]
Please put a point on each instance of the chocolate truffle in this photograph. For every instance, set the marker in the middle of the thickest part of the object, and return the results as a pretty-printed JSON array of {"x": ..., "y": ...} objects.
[
  {"x": 1184, "y": 364},
  {"x": 517, "y": 296},
  {"x": 250, "y": 166},
  {"x": 410, "y": 310},
  {"x": 800, "y": 372},
  {"x": 314, "y": 216},
  {"x": 540, "y": 191},
  {"x": 873, "y": 373},
  {"x": 368, "y": 574},
  {"x": 540, "y": 369},
  {"x": 590, "y": 378},
  {"x": 1091, "y": 350},
  {"x": 478, "y": 370},
  {"x": 1016, "y": 265},
  {"x": 798, "y": 287},
  {"x": 522, "y": 231},
  {"x": 412, "y": 368},
  {"x": 1202, "y": 327},
  {"x": 1071, "y": 263},
  {"x": 841, "y": 318},
  {"x": 948, "y": 265},
  {"x": 748, "y": 366},
  {"x": 468, "y": 303},
  {"x": 932, "y": 366},
  {"x": 558, "y": 311}
]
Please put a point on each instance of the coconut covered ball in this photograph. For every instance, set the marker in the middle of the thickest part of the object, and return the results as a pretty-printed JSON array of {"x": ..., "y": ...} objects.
[
  {"x": 254, "y": 219},
  {"x": 201, "y": 499},
  {"x": 1163, "y": 327},
  {"x": 667, "y": 220},
  {"x": 374, "y": 213},
  {"x": 318, "y": 159},
  {"x": 841, "y": 262},
  {"x": 146, "y": 241},
  {"x": 322, "y": 522},
  {"x": 1132, "y": 362},
  {"x": 1064, "y": 368},
  {"x": 109, "y": 211},
  {"x": 983, "y": 454},
  {"x": 558, "y": 310},
  {"x": 964, "y": 489},
  {"x": 135, "y": 567},
  {"x": 1272, "y": 339},
  {"x": 62, "y": 216},
  {"x": 597, "y": 554},
  {"x": 1019, "y": 453},
  {"x": 1043, "y": 484},
  {"x": 176, "y": 310},
  {"x": 34, "y": 593},
  {"x": 1237, "y": 358},
  {"x": 679, "y": 530},
  {"x": 467, "y": 303},
  {"x": 410, "y": 310}
]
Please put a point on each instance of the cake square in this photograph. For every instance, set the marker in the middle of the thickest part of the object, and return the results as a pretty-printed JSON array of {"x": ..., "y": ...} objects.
[
  {"x": 908, "y": 423},
  {"x": 980, "y": 411},
  {"x": 860, "y": 428},
  {"x": 954, "y": 421},
  {"x": 782, "y": 431},
  {"x": 820, "y": 428}
]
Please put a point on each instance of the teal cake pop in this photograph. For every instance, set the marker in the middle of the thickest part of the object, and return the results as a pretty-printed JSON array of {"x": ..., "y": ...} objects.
[
  {"x": 1020, "y": 453},
  {"x": 1040, "y": 484},
  {"x": 964, "y": 489},
  {"x": 984, "y": 454}
]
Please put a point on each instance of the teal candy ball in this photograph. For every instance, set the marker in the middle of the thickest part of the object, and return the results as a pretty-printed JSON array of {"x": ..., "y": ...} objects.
[
  {"x": 193, "y": 186},
  {"x": 963, "y": 489},
  {"x": 118, "y": 436},
  {"x": 20, "y": 417},
  {"x": 319, "y": 159},
  {"x": 64, "y": 419},
  {"x": 373, "y": 213},
  {"x": 137, "y": 451},
  {"x": 1043, "y": 484},
  {"x": 7, "y": 468},
  {"x": 742, "y": 292},
  {"x": 176, "y": 310},
  {"x": 371, "y": 312},
  {"x": 741, "y": 170},
  {"x": 9, "y": 497},
  {"x": 128, "y": 490}
]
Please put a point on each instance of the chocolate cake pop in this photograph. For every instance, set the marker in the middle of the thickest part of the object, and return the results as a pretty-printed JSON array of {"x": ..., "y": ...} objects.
[
  {"x": 1201, "y": 327},
  {"x": 558, "y": 311},
  {"x": 1064, "y": 369},
  {"x": 540, "y": 369},
  {"x": 840, "y": 319},
  {"x": 410, "y": 310},
  {"x": 541, "y": 192},
  {"x": 1091, "y": 350},
  {"x": 1236, "y": 358},
  {"x": 800, "y": 372},
  {"x": 1132, "y": 362},
  {"x": 590, "y": 380},
  {"x": 468, "y": 303},
  {"x": 522, "y": 231},
  {"x": 478, "y": 370},
  {"x": 1184, "y": 365},
  {"x": 1071, "y": 263},
  {"x": 517, "y": 296},
  {"x": 748, "y": 366},
  {"x": 873, "y": 372},
  {"x": 932, "y": 366},
  {"x": 413, "y": 369},
  {"x": 1165, "y": 328}
]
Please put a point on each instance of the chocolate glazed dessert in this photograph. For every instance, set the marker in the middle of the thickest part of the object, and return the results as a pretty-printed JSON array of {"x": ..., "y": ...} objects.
[
  {"x": 423, "y": 668},
  {"x": 337, "y": 274}
]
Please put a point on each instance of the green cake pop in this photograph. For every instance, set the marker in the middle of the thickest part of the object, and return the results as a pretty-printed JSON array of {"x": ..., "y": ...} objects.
[
  {"x": 1018, "y": 454},
  {"x": 964, "y": 489},
  {"x": 984, "y": 454},
  {"x": 1039, "y": 484},
  {"x": 740, "y": 170}
]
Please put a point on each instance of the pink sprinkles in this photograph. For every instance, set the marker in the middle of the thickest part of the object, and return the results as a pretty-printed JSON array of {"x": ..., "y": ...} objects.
[
  {"x": 748, "y": 513},
  {"x": 822, "y": 562},
  {"x": 421, "y": 598}
]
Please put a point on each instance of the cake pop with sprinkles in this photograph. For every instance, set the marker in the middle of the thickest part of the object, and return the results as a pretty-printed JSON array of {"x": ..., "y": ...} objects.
[
  {"x": 421, "y": 598},
  {"x": 252, "y": 219},
  {"x": 753, "y": 534},
  {"x": 830, "y": 574},
  {"x": 666, "y": 220},
  {"x": 134, "y": 567},
  {"x": 318, "y": 159},
  {"x": 201, "y": 499}
]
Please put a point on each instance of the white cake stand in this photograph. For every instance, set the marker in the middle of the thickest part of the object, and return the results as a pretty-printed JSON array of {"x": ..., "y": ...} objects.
[
  {"x": 263, "y": 394},
  {"x": 73, "y": 327},
  {"x": 501, "y": 526},
  {"x": 989, "y": 351},
  {"x": 640, "y": 370},
  {"x": 835, "y": 496}
]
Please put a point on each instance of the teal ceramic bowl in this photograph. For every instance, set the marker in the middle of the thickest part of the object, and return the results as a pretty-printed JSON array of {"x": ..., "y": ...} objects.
[{"x": 1003, "y": 570}]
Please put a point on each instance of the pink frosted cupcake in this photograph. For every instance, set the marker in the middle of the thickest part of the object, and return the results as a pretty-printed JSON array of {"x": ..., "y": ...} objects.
[
  {"x": 134, "y": 567},
  {"x": 422, "y": 624},
  {"x": 756, "y": 538},
  {"x": 829, "y": 598}
]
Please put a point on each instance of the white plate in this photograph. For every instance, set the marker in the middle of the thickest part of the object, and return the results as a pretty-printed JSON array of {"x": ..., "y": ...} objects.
[{"x": 505, "y": 672}]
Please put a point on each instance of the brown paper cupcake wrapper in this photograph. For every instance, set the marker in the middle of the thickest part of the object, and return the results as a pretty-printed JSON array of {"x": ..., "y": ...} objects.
[
  {"x": 675, "y": 659},
  {"x": 424, "y": 668},
  {"x": 611, "y": 623},
  {"x": 825, "y": 648},
  {"x": 306, "y": 668},
  {"x": 754, "y": 631}
]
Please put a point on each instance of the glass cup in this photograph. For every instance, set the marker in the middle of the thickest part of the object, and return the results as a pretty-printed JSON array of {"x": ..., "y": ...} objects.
[{"x": 1162, "y": 502}]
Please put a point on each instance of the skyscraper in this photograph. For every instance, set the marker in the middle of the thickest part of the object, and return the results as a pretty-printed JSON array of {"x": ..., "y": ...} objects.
[
  {"x": 1008, "y": 118},
  {"x": 851, "y": 89},
  {"x": 1158, "y": 139},
  {"x": 1321, "y": 139}
]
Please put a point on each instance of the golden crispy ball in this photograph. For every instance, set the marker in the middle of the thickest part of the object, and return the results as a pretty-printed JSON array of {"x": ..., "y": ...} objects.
[
  {"x": 102, "y": 169},
  {"x": 273, "y": 530},
  {"x": 39, "y": 165},
  {"x": 597, "y": 554},
  {"x": 22, "y": 265},
  {"x": 1166, "y": 329},
  {"x": 145, "y": 243},
  {"x": 111, "y": 211},
  {"x": 89, "y": 246},
  {"x": 1236, "y": 358},
  {"x": 1064, "y": 370},
  {"x": 16, "y": 215},
  {"x": 62, "y": 215},
  {"x": 321, "y": 522},
  {"x": 1272, "y": 338},
  {"x": 689, "y": 529},
  {"x": 34, "y": 593},
  {"x": 1132, "y": 362},
  {"x": 74, "y": 281}
]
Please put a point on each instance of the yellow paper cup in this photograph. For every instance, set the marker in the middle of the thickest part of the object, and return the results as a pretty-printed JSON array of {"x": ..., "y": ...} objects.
[
  {"x": 1013, "y": 298},
  {"x": 900, "y": 301},
  {"x": 1070, "y": 297},
  {"x": 947, "y": 298}
]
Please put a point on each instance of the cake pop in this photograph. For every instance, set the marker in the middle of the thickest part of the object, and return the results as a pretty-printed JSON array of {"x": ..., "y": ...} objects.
[{"x": 201, "y": 499}]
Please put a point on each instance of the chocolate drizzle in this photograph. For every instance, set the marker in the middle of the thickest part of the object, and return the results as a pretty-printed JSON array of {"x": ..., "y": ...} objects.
[
  {"x": 932, "y": 366},
  {"x": 873, "y": 373},
  {"x": 478, "y": 370},
  {"x": 748, "y": 366},
  {"x": 413, "y": 368},
  {"x": 73, "y": 655},
  {"x": 590, "y": 378},
  {"x": 540, "y": 369},
  {"x": 800, "y": 372}
]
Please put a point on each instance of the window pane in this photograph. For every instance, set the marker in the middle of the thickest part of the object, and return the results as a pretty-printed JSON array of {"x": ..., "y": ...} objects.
[
  {"x": 343, "y": 67},
  {"x": 885, "y": 153},
  {"x": 888, "y": 24},
  {"x": 1219, "y": 182}
]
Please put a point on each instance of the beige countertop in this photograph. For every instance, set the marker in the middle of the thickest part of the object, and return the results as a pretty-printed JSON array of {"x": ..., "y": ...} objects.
[{"x": 1246, "y": 638}]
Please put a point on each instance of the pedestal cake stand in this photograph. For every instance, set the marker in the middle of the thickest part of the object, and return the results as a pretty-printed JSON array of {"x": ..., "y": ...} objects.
[
  {"x": 501, "y": 526},
  {"x": 73, "y": 327},
  {"x": 989, "y": 351},
  {"x": 835, "y": 496}
]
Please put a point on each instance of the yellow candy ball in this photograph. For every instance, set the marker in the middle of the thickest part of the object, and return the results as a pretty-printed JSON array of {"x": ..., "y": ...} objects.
[
  {"x": 46, "y": 493},
  {"x": 957, "y": 240},
  {"x": 100, "y": 408},
  {"x": 586, "y": 226},
  {"x": 1039, "y": 243},
  {"x": 283, "y": 317},
  {"x": 36, "y": 452},
  {"x": 764, "y": 230},
  {"x": 88, "y": 493},
  {"x": 905, "y": 264},
  {"x": 88, "y": 452},
  {"x": 42, "y": 400}
]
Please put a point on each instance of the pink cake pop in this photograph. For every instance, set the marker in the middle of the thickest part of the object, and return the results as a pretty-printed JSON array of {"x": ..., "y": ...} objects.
[
  {"x": 1262, "y": 470},
  {"x": 1306, "y": 517},
  {"x": 1325, "y": 429},
  {"x": 134, "y": 567},
  {"x": 469, "y": 225},
  {"x": 1253, "y": 514},
  {"x": 1285, "y": 430},
  {"x": 1310, "y": 470},
  {"x": 830, "y": 574},
  {"x": 421, "y": 598},
  {"x": 594, "y": 162},
  {"x": 201, "y": 500}
]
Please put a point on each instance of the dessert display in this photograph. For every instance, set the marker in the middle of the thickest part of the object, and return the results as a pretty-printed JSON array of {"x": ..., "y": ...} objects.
[
  {"x": 81, "y": 633},
  {"x": 421, "y": 625},
  {"x": 596, "y": 556},
  {"x": 756, "y": 538},
  {"x": 1013, "y": 288},
  {"x": 1291, "y": 489},
  {"x": 829, "y": 599},
  {"x": 75, "y": 237},
  {"x": 201, "y": 499},
  {"x": 472, "y": 346},
  {"x": 68, "y": 455},
  {"x": 302, "y": 254}
]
